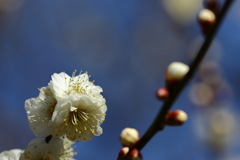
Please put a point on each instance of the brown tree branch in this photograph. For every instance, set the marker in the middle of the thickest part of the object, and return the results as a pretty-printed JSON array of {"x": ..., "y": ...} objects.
[{"x": 154, "y": 128}]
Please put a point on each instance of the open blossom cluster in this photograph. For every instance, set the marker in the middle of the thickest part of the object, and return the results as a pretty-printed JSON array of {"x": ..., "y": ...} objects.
[
  {"x": 71, "y": 106},
  {"x": 68, "y": 109}
]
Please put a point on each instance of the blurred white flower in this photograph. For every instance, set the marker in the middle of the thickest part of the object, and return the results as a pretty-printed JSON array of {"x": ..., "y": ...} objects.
[
  {"x": 222, "y": 126},
  {"x": 80, "y": 109},
  {"x": 12, "y": 154},
  {"x": 78, "y": 116},
  {"x": 201, "y": 94},
  {"x": 38, "y": 149},
  {"x": 217, "y": 126},
  {"x": 182, "y": 11},
  {"x": 56, "y": 149},
  {"x": 39, "y": 111}
]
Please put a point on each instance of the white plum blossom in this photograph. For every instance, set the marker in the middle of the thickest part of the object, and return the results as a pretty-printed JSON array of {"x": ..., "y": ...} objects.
[
  {"x": 68, "y": 105},
  {"x": 12, "y": 154},
  {"x": 80, "y": 108},
  {"x": 39, "y": 111},
  {"x": 56, "y": 149}
]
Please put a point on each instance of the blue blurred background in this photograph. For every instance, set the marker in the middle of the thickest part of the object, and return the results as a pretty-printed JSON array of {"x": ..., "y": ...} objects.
[{"x": 126, "y": 47}]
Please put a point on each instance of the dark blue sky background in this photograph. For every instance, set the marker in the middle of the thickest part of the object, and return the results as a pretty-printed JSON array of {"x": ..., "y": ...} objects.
[{"x": 126, "y": 47}]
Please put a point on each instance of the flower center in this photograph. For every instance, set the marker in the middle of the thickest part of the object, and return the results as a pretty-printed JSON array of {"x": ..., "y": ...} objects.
[{"x": 83, "y": 122}]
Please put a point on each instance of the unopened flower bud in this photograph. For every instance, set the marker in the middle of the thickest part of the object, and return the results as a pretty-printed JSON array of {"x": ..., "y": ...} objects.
[
  {"x": 129, "y": 137},
  {"x": 135, "y": 155},
  {"x": 122, "y": 153},
  {"x": 176, "y": 118},
  {"x": 212, "y": 5},
  {"x": 162, "y": 94},
  {"x": 175, "y": 72},
  {"x": 206, "y": 19}
]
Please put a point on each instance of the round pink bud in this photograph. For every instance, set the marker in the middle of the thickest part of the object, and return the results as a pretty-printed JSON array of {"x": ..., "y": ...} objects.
[
  {"x": 162, "y": 94},
  {"x": 129, "y": 137},
  {"x": 206, "y": 19},
  {"x": 135, "y": 155},
  {"x": 176, "y": 118},
  {"x": 175, "y": 72},
  {"x": 122, "y": 153}
]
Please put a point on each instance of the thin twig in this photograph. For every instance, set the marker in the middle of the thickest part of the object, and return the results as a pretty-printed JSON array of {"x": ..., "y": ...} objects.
[{"x": 153, "y": 129}]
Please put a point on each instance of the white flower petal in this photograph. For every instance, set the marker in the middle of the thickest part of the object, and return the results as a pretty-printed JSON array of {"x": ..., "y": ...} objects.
[
  {"x": 98, "y": 131},
  {"x": 61, "y": 80},
  {"x": 13, "y": 154},
  {"x": 59, "y": 84},
  {"x": 39, "y": 111}
]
